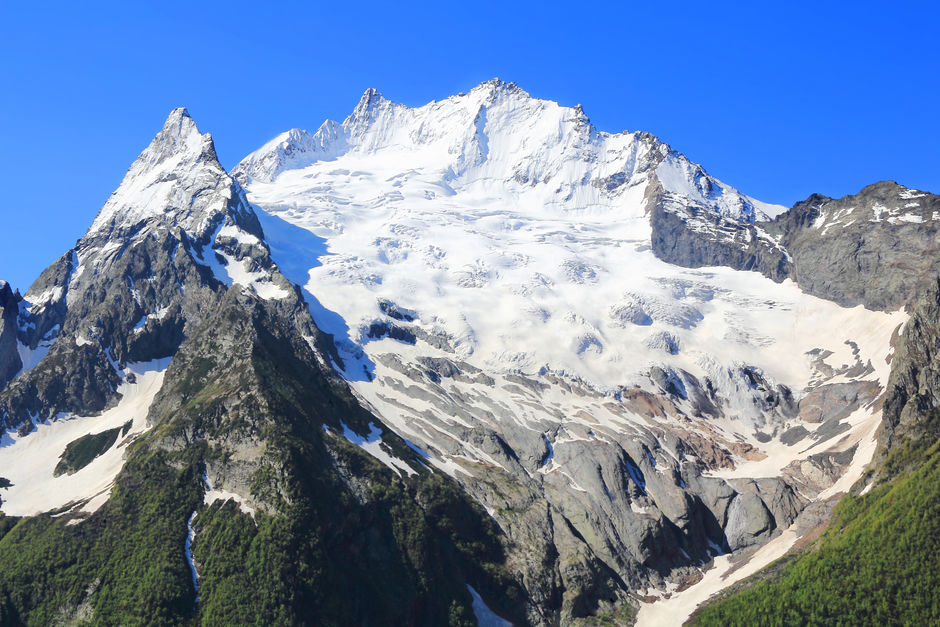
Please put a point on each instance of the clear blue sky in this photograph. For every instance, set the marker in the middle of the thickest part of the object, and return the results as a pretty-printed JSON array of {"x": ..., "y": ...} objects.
[{"x": 778, "y": 99}]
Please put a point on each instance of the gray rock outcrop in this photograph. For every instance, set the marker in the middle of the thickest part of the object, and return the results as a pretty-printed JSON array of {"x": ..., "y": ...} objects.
[
  {"x": 10, "y": 362},
  {"x": 693, "y": 235},
  {"x": 138, "y": 278},
  {"x": 875, "y": 248},
  {"x": 911, "y": 415}
]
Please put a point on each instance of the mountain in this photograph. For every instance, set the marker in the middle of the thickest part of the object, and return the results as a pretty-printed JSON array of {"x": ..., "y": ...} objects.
[
  {"x": 497, "y": 242},
  {"x": 470, "y": 361},
  {"x": 876, "y": 561},
  {"x": 178, "y": 448},
  {"x": 875, "y": 248}
]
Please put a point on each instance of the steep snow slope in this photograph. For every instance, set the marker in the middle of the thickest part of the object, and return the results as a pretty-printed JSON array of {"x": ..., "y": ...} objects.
[
  {"x": 28, "y": 461},
  {"x": 160, "y": 255},
  {"x": 484, "y": 263}
]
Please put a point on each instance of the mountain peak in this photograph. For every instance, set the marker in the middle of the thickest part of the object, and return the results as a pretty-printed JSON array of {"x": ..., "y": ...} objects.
[
  {"x": 6, "y": 294},
  {"x": 371, "y": 98},
  {"x": 882, "y": 187},
  {"x": 177, "y": 116},
  {"x": 179, "y": 134},
  {"x": 497, "y": 84},
  {"x": 296, "y": 135},
  {"x": 178, "y": 161},
  {"x": 371, "y": 107}
]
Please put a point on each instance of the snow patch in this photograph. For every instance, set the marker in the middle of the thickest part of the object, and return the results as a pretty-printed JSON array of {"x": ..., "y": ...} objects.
[
  {"x": 231, "y": 271},
  {"x": 372, "y": 444},
  {"x": 29, "y": 461},
  {"x": 259, "y": 281},
  {"x": 484, "y": 615},
  {"x": 680, "y": 605},
  {"x": 30, "y": 357},
  {"x": 212, "y": 495}
]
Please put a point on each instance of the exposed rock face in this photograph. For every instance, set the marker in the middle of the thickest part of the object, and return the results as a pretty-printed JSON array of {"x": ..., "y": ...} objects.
[
  {"x": 910, "y": 408},
  {"x": 836, "y": 400},
  {"x": 695, "y": 235},
  {"x": 10, "y": 362},
  {"x": 159, "y": 254},
  {"x": 875, "y": 248}
]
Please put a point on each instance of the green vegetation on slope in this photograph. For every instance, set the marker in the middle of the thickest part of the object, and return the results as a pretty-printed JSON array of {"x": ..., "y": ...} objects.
[
  {"x": 876, "y": 564},
  {"x": 338, "y": 538},
  {"x": 370, "y": 548},
  {"x": 81, "y": 451},
  {"x": 125, "y": 562}
]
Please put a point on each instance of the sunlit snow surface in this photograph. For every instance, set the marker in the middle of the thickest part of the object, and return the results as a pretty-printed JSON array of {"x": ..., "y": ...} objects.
[
  {"x": 523, "y": 262},
  {"x": 213, "y": 494},
  {"x": 679, "y": 606},
  {"x": 28, "y": 461},
  {"x": 372, "y": 444},
  {"x": 516, "y": 239}
]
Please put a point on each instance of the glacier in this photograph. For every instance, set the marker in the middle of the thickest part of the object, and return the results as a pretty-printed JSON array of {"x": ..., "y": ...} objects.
[
  {"x": 486, "y": 267},
  {"x": 485, "y": 260}
]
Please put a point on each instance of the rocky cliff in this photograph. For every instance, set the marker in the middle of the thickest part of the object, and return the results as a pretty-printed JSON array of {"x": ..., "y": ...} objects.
[
  {"x": 10, "y": 362},
  {"x": 875, "y": 248}
]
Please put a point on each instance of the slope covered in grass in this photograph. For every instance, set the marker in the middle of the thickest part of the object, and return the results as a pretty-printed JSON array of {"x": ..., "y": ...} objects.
[{"x": 876, "y": 564}]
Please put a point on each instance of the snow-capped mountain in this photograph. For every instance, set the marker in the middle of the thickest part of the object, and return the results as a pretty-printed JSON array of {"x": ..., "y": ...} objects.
[
  {"x": 501, "y": 305},
  {"x": 97, "y": 329},
  {"x": 371, "y": 336},
  {"x": 497, "y": 139},
  {"x": 170, "y": 383}
]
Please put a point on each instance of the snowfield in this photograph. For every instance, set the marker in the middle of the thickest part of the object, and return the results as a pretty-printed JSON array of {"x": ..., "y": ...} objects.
[
  {"x": 507, "y": 235},
  {"x": 484, "y": 265},
  {"x": 28, "y": 461}
]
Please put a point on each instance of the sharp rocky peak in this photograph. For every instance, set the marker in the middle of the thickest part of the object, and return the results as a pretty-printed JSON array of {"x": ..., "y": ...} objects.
[
  {"x": 179, "y": 135},
  {"x": 7, "y": 295},
  {"x": 370, "y": 108},
  {"x": 177, "y": 180},
  {"x": 371, "y": 98},
  {"x": 498, "y": 86}
]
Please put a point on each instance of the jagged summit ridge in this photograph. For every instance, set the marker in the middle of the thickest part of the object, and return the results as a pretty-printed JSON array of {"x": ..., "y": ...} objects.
[
  {"x": 177, "y": 179},
  {"x": 497, "y": 133},
  {"x": 292, "y": 149}
]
